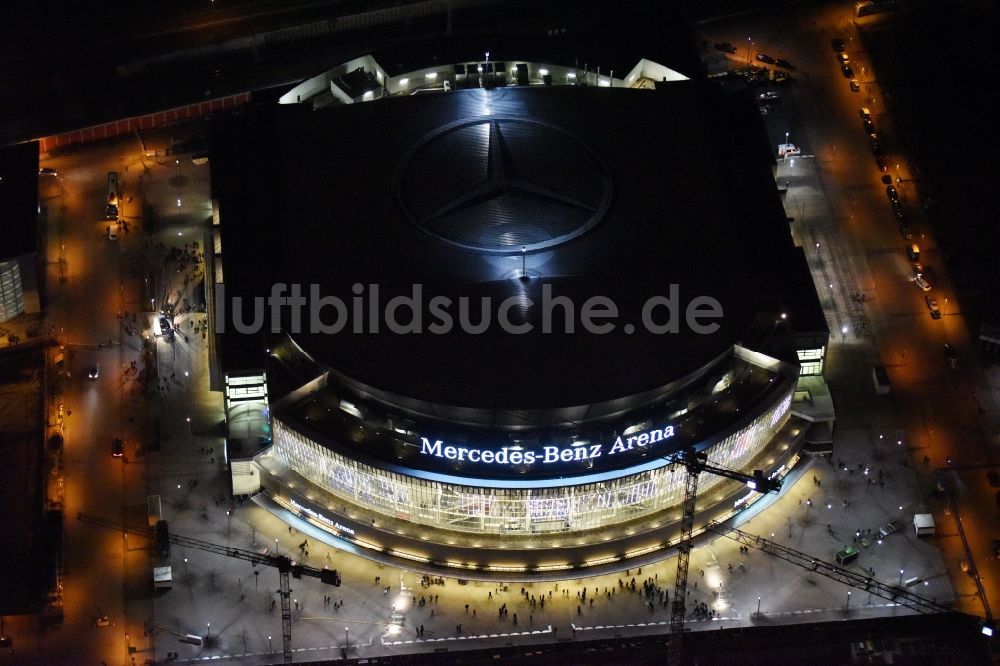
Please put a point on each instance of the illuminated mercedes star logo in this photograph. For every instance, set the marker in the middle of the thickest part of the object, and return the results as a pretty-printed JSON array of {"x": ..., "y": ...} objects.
[{"x": 498, "y": 185}]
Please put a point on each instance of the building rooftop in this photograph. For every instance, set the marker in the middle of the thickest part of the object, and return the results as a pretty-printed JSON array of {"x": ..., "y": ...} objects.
[
  {"x": 614, "y": 192},
  {"x": 18, "y": 199}
]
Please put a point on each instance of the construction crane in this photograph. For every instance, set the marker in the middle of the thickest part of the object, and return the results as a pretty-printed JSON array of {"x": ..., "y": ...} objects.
[
  {"x": 695, "y": 463},
  {"x": 862, "y": 581},
  {"x": 284, "y": 565}
]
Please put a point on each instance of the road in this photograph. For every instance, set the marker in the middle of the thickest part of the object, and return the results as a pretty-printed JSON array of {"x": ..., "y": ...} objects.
[{"x": 844, "y": 220}]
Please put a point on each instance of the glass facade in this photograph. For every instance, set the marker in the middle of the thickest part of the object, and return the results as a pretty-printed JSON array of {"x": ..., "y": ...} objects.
[
  {"x": 476, "y": 507},
  {"x": 11, "y": 293}
]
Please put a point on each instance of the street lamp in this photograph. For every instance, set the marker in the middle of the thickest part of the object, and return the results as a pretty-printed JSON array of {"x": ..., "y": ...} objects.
[
  {"x": 524, "y": 263},
  {"x": 347, "y": 638},
  {"x": 748, "y": 54},
  {"x": 900, "y": 576},
  {"x": 269, "y": 648},
  {"x": 848, "y": 599},
  {"x": 758, "y": 607},
  {"x": 843, "y": 335}
]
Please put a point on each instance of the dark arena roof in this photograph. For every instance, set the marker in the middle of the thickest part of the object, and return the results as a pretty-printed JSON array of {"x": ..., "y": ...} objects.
[
  {"x": 18, "y": 199},
  {"x": 618, "y": 193}
]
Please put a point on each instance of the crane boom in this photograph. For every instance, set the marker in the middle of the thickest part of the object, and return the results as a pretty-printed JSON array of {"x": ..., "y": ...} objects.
[
  {"x": 861, "y": 581},
  {"x": 283, "y": 564}
]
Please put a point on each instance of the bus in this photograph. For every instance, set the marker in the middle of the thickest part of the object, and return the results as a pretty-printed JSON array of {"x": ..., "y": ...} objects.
[{"x": 111, "y": 209}]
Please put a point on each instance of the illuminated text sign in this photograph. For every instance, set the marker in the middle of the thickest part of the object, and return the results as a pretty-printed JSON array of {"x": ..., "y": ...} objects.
[{"x": 516, "y": 455}]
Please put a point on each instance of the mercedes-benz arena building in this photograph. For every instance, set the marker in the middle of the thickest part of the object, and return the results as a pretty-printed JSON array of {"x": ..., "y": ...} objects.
[{"x": 459, "y": 410}]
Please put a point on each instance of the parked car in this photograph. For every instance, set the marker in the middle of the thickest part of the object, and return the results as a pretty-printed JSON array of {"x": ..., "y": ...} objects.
[
  {"x": 770, "y": 96},
  {"x": 869, "y": 125},
  {"x": 876, "y": 145},
  {"x": 763, "y": 57},
  {"x": 847, "y": 71},
  {"x": 164, "y": 325},
  {"x": 838, "y": 45},
  {"x": 880, "y": 162},
  {"x": 889, "y": 528},
  {"x": 890, "y": 191},
  {"x": 844, "y": 58},
  {"x": 94, "y": 371},
  {"x": 725, "y": 47},
  {"x": 855, "y": 86},
  {"x": 784, "y": 64},
  {"x": 117, "y": 447},
  {"x": 933, "y": 307},
  {"x": 921, "y": 282}
]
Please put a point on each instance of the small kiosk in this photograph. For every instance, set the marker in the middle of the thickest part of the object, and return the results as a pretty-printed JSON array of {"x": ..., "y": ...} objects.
[
  {"x": 923, "y": 524},
  {"x": 846, "y": 556}
]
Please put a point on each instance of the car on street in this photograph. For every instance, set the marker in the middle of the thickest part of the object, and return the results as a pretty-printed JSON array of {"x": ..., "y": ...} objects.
[
  {"x": 952, "y": 355},
  {"x": 103, "y": 621},
  {"x": 764, "y": 110},
  {"x": 94, "y": 371},
  {"x": 855, "y": 86},
  {"x": 770, "y": 96},
  {"x": 869, "y": 125},
  {"x": 890, "y": 191},
  {"x": 117, "y": 447},
  {"x": 906, "y": 232},
  {"x": 763, "y": 57},
  {"x": 876, "y": 144},
  {"x": 784, "y": 64},
  {"x": 847, "y": 71},
  {"x": 844, "y": 58},
  {"x": 921, "y": 282},
  {"x": 164, "y": 325},
  {"x": 725, "y": 47},
  {"x": 880, "y": 162},
  {"x": 47, "y": 171},
  {"x": 838, "y": 45},
  {"x": 782, "y": 78},
  {"x": 933, "y": 307}
]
